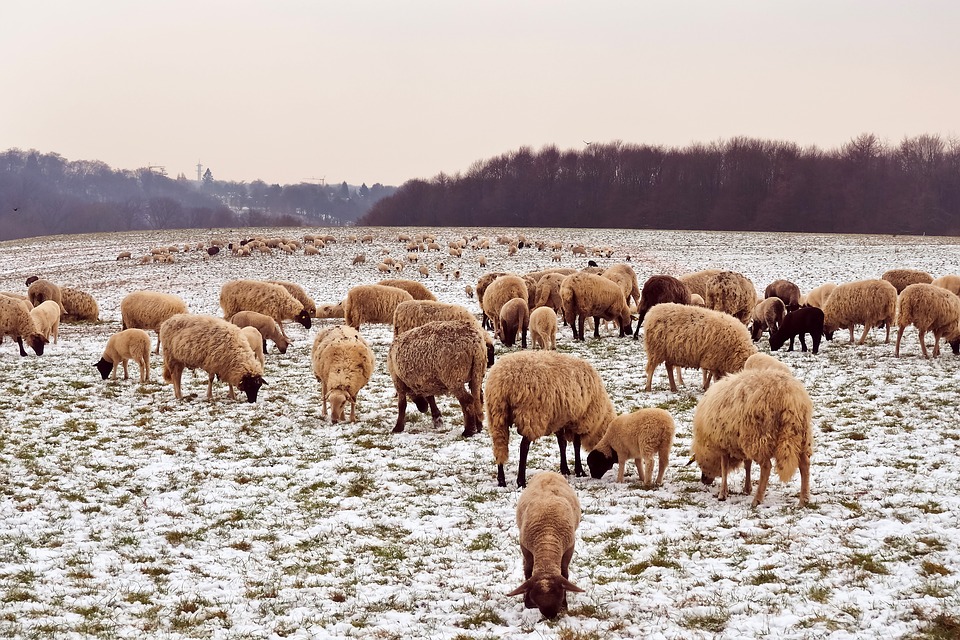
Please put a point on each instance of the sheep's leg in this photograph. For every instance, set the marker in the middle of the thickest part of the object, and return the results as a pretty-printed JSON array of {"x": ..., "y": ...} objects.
[
  {"x": 176, "y": 374},
  {"x": 866, "y": 332},
  {"x": 651, "y": 367},
  {"x": 792, "y": 338},
  {"x": 113, "y": 371},
  {"x": 679, "y": 372},
  {"x": 887, "y": 339},
  {"x": 816, "y": 341},
  {"x": 578, "y": 335},
  {"x": 664, "y": 460},
  {"x": 803, "y": 343},
  {"x": 434, "y": 412},
  {"x": 323, "y": 403},
  {"x": 402, "y": 415},
  {"x": 145, "y": 368},
  {"x": 723, "y": 477},
  {"x": 522, "y": 470},
  {"x": 562, "y": 445},
  {"x": 764, "y": 478},
  {"x": 707, "y": 376},
  {"x": 923, "y": 345},
  {"x": 126, "y": 376},
  {"x": 596, "y": 326},
  {"x": 747, "y": 473},
  {"x": 353, "y": 410},
  {"x": 620, "y": 469},
  {"x": 523, "y": 338},
  {"x": 22, "y": 351},
  {"x": 648, "y": 470},
  {"x": 851, "y": 334},
  {"x": 936, "y": 344},
  {"x": 804, "y": 464},
  {"x": 673, "y": 383},
  {"x": 577, "y": 464},
  {"x": 466, "y": 405}
]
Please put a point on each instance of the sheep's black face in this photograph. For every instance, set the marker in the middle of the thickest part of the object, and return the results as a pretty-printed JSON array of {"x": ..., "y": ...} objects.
[
  {"x": 599, "y": 464},
  {"x": 250, "y": 385},
  {"x": 705, "y": 479},
  {"x": 304, "y": 318},
  {"x": 548, "y": 596},
  {"x": 104, "y": 368},
  {"x": 421, "y": 403},
  {"x": 776, "y": 341},
  {"x": 36, "y": 342}
]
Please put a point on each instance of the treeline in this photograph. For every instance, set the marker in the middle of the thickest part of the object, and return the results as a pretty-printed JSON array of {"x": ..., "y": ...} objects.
[
  {"x": 43, "y": 194},
  {"x": 865, "y": 186}
]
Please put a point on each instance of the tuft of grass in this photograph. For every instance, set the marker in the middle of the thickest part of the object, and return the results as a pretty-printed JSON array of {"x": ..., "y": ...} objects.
[
  {"x": 482, "y": 617},
  {"x": 714, "y": 622}
]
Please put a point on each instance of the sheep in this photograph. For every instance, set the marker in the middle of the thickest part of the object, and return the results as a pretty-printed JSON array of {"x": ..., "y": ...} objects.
[
  {"x": 797, "y": 323},
  {"x": 124, "y": 255},
  {"x": 19, "y": 297},
  {"x": 31, "y": 280},
  {"x": 482, "y": 283},
  {"x": 469, "y": 291},
  {"x": 300, "y": 294},
  {"x": 256, "y": 342},
  {"x": 626, "y": 278},
  {"x": 514, "y": 317},
  {"x": 46, "y": 317},
  {"x": 496, "y": 295},
  {"x": 548, "y": 514},
  {"x": 949, "y": 282},
  {"x": 752, "y": 416},
  {"x": 764, "y": 362},
  {"x": 415, "y": 313},
  {"x": 342, "y": 362},
  {"x": 543, "y": 393},
  {"x": 637, "y": 436},
  {"x": 687, "y": 336},
  {"x": 697, "y": 300},
  {"x": 16, "y": 322},
  {"x": 359, "y": 259},
  {"x": 872, "y": 303},
  {"x": 414, "y": 288},
  {"x": 42, "y": 290},
  {"x": 787, "y": 291},
  {"x": 767, "y": 314},
  {"x": 329, "y": 310},
  {"x": 439, "y": 358},
  {"x": 148, "y": 310},
  {"x": 928, "y": 308},
  {"x": 818, "y": 295},
  {"x": 585, "y": 294},
  {"x": 657, "y": 290},
  {"x": 548, "y": 292},
  {"x": 732, "y": 293},
  {"x": 264, "y": 297},
  {"x": 79, "y": 305},
  {"x": 697, "y": 281},
  {"x": 372, "y": 303},
  {"x": 265, "y": 325},
  {"x": 129, "y": 344},
  {"x": 902, "y": 278},
  {"x": 543, "y": 328},
  {"x": 214, "y": 345}
]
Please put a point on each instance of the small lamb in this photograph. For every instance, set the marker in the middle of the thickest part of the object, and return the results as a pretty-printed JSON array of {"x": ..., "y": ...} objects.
[
  {"x": 129, "y": 344},
  {"x": 638, "y": 436}
]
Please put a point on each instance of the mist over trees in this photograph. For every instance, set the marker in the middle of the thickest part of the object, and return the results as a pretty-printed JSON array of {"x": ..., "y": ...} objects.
[
  {"x": 865, "y": 186},
  {"x": 44, "y": 194}
]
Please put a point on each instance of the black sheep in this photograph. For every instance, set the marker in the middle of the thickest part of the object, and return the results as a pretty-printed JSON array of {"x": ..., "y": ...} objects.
[{"x": 796, "y": 323}]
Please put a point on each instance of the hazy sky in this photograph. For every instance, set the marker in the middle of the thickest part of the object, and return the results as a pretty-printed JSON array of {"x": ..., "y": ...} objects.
[{"x": 385, "y": 91}]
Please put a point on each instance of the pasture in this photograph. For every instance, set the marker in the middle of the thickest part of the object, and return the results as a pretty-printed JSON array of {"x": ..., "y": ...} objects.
[{"x": 126, "y": 513}]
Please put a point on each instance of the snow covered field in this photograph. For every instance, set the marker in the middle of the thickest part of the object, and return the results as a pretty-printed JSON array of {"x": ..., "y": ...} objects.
[{"x": 126, "y": 513}]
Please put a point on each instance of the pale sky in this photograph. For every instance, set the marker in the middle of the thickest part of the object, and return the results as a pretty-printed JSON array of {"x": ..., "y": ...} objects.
[{"x": 385, "y": 91}]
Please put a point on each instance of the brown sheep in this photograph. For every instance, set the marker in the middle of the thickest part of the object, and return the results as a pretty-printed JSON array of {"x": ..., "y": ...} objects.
[
  {"x": 657, "y": 290},
  {"x": 585, "y": 294}
]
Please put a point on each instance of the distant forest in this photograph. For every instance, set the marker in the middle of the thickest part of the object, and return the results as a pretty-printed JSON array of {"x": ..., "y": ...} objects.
[
  {"x": 44, "y": 194},
  {"x": 866, "y": 186}
]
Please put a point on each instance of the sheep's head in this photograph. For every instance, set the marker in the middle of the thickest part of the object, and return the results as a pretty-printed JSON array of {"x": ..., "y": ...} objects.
[
  {"x": 600, "y": 463},
  {"x": 548, "y": 593},
  {"x": 776, "y": 340},
  {"x": 36, "y": 342},
  {"x": 250, "y": 384},
  {"x": 281, "y": 342},
  {"x": 104, "y": 367},
  {"x": 421, "y": 403},
  {"x": 338, "y": 401},
  {"x": 303, "y": 318},
  {"x": 625, "y": 321}
]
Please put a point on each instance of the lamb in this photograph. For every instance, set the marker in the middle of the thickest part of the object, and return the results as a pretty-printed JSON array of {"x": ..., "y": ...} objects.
[
  {"x": 767, "y": 314},
  {"x": 149, "y": 309},
  {"x": 928, "y": 308},
  {"x": 764, "y": 362},
  {"x": 372, "y": 303},
  {"x": 129, "y": 344},
  {"x": 256, "y": 342},
  {"x": 42, "y": 290},
  {"x": 657, "y": 290},
  {"x": 796, "y": 323},
  {"x": 300, "y": 294},
  {"x": 214, "y": 345},
  {"x": 414, "y": 288},
  {"x": 46, "y": 317},
  {"x": 585, "y": 294},
  {"x": 787, "y": 291},
  {"x": 543, "y": 393},
  {"x": 264, "y": 297},
  {"x": 626, "y": 278},
  {"x": 16, "y": 322},
  {"x": 548, "y": 514},
  {"x": 732, "y": 293},
  {"x": 514, "y": 317},
  {"x": 754, "y": 415},
  {"x": 265, "y": 325},
  {"x": 697, "y": 282},
  {"x": 902, "y": 278},
  {"x": 872, "y": 303},
  {"x": 543, "y": 328},
  {"x": 342, "y": 362},
  {"x": 688, "y": 336},
  {"x": 950, "y": 282},
  {"x": 496, "y": 295},
  {"x": 439, "y": 358},
  {"x": 637, "y": 436},
  {"x": 818, "y": 295},
  {"x": 416, "y": 313},
  {"x": 548, "y": 291},
  {"x": 79, "y": 305}
]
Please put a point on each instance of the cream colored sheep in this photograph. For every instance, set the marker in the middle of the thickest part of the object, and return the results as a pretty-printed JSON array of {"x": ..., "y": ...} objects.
[
  {"x": 342, "y": 362},
  {"x": 514, "y": 318},
  {"x": 696, "y": 300},
  {"x": 586, "y": 295},
  {"x": 767, "y": 314},
  {"x": 372, "y": 304},
  {"x": 818, "y": 296},
  {"x": 79, "y": 305},
  {"x": 548, "y": 292},
  {"x": 636, "y": 436},
  {"x": 264, "y": 297},
  {"x": 129, "y": 344},
  {"x": 18, "y": 297},
  {"x": 266, "y": 327},
  {"x": 46, "y": 317},
  {"x": 950, "y": 282},
  {"x": 732, "y": 293},
  {"x": 502, "y": 289},
  {"x": 752, "y": 416},
  {"x": 41, "y": 290},
  {"x": 626, "y": 278},
  {"x": 469, "y": 291},
  {"x": 544, "y": 393},
  {"x": 764, "y": 362},
  {"x": 149, "y": 309},
  {"x": 416, "y": 313},
  {"x": 902, "y": 278},
  {"x": 414, "y": 288},
  {"x": 687, "y": 336},
  {"x": 255, "y": 340},
  {"x": 16, "y": 322},
  {"x": 548, "y": 514},
  {"x": 872, "y": 303},
  {"x": 300, "y": 294},
  {"x": 697, "y": 281},
  {"x": 543, "y": 328},
  {"x": 928, "y": 308},
  {"x": 214, "y": 345}
]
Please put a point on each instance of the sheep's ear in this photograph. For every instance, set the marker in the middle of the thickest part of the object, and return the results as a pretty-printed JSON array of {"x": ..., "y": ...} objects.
[
  {"x": 264, "y": 382},
  {"x": 691, "y": 461},
  {"x": 521, "y": 589},
  {"x": 569, "y": 586}
]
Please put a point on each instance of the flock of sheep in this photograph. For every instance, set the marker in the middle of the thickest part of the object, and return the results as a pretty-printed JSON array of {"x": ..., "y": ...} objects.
[{"x": 753, "y": 408}]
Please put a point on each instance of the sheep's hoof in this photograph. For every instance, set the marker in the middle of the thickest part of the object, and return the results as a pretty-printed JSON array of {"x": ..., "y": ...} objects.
[
  {"x": 437, "y": 423},
  {"x": 398, "y": 429}
]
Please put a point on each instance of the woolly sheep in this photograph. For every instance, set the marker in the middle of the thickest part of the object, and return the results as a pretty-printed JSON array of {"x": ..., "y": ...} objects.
[
  {"x": 928, "y": 308},
  {"x": 767, "y": 314},
  {"x": 149, "y": 309},
  {"x": 300, "y": 294},
  {"x": 214, "y": 345},
  {"x": 46, "y": 317},
  {"x": 626, "y": 278},
  {"x": 687, "y": 336},
  {"x": 548, "y": 514},
  {"x": 79, "y": 305},
  {"x": 818, "y": 295},
  {"x": 732, "y": 293},
  {"x": 543, "y": 328},
  {"x": 439, "y": 358},
  {"x": 342, "y": 362},
  {"x": 42, "y": 290},
  {"x": 548, "y": 292},
  {"x": 328, "y": 311},
  {"x": 764, "y": 362},
  {"x": 264, "y": 297},
  {"x": 949, "y": 282},
  {"x": 543, "y": 393},
  {"x": 256, "y": 342},
  {"x": 129, "y": 344},
  {"x": 797, "y": 323},
  {"x": 657, "y": 290},
  {"x": 372, "y": 303},
  {"x": 902, "y": 278},
  {"x": 416, "y": 313},
  {"x": 752, "y": 416},
  {"x": 697, "y": 281},
  {"x": 19, "y": 297},
  {"x": 787, "y": 291},
  {"x": 16, "y": 322},
  {"x": 585, "y": 294},
  {"x": 482, "y": 283},
  {"x": 414, "y": 288},
  {"x": 636, "y": 436},
  {"x": 514, "y": 317},
  {"x": 496, "y": 295},
  {"x": 872, "y": 303},
  {"x": 265, "y": 325}
]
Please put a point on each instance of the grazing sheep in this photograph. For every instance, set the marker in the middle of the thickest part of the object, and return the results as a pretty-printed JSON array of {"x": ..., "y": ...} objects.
[
  {"x": 124, "y": 255},
  {"x": 300, "y": 294},
  {"x": 372, "y": 303},
  {"x": 16, "y": 322},
  {"x": 768, "y": 314},
  {"x": 264, "y": 297},
  {"x": 414, "y": 288},
  {"x": 31, "y": 280},
  {"x": 502, "y": 289},
  {"x": 543, "y": 393},
  {"x": 514, "y": 317},
  {"x": 636, "y": 436},
  {"x": 469, "y": 291},
  {"x": 797, "y": 323},
  {"x": 439, "y": 358},
  {"x": 149, "y": 309},
  {"x": 548, "y": 292},
  {"x": 416, "y": 313},
  {"x": 787, "y": 291},
  {"x": 265, "y": 326},
  {"x": 482, "y": 283},
  {"x": 42, "y": 290},
  {"x": 46, "y": 317},
  {"x": 928, "y": 308},
  {"x": 214, "y": 345},
  {"x": 696, "y": 300},
  {"x": 548, "y": 514},
  {"x": 903, "y": 278},
  {"x": 764, "y": 362},
  {"x": 129, "y": 344},
  {"x": 256, "y": 342},
  {"x": 626, "y": 278},
  {"x": 752, "y": 416},
  {"x": 79, "y": 305},
  {"x": 732, "y": 293},
  {"x": 687, "y": 336},
  {"x": 697, "y": 282},
  {"x": 328, "y": 311},
  {"x": 657, "y": 290},
  {"x": 585, "y": 294},
  {"x": 543, "y": 328},
  {"x": 342, "y": 362},
  {"x": 818, "y": 295},
  {"x": 872, "y": 303},
  {"x": 359, "y": 259},
  {"x": 949, "y": 282}
]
